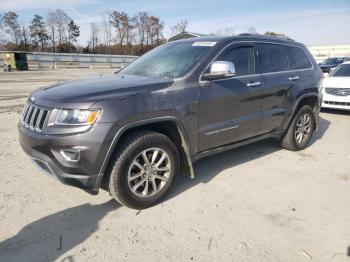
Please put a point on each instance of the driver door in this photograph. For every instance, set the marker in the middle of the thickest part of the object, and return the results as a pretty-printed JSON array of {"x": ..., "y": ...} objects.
[{"x": 230, "y": 108}]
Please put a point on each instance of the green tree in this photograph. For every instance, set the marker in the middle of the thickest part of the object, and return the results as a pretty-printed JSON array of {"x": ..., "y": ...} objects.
[
  {"x": 12, "y": 26},
  {"x": 38, "y": 31},
  {"x": 73, "y": 33}
]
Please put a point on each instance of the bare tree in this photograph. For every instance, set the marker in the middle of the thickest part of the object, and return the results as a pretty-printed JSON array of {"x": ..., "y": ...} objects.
[
  {"x": 226, "y": 31},
  {"x": 142, "y": 25},
  {"x": 62, "y": 22},
  {"x": 106, "y": 29},
  {"x": 51, "y": 22},
  {"x": 149, "y": 30},
  {"x": 129, "y": 26},
  {"x": 124, "y": 26},
  {"x": 25, "y": 38},
  {"x": 94, "y": 36},
  {"x": 155, "y": 30},
  {"x": 12, "y": 26},
  {"x": 179, "y": 27}
]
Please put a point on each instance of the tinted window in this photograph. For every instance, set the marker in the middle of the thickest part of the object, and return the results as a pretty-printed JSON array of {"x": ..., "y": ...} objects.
[
  {"x": 297, "y": 58},
  {"x": 342, "y": 70},
  {"x": 241, "y": 57},
  {"x": 272, "y": 58}
]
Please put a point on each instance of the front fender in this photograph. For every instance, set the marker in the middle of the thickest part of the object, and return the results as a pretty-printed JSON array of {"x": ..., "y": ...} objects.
[{"x": 123, "y": 129}]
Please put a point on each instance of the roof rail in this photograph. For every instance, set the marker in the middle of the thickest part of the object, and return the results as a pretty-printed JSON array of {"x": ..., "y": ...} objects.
[{"x": 268, "y": 36}]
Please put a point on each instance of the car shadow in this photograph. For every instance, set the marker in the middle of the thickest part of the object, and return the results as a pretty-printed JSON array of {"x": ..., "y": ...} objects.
[
  {"x": 208, "y": 168},
  {"x": 51, "y": 236},
  {"x": 323, "y": 125}
]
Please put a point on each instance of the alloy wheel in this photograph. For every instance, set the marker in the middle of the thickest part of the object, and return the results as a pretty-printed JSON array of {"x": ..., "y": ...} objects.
[
  {"x": 149, "y": 172},
  {"x": 303, "y": 128}
]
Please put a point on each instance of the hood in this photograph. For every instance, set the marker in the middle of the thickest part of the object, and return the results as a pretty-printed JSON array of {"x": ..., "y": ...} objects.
[
  {"x": 93, "y": 89},
  {"x": 337, "y": 82}
]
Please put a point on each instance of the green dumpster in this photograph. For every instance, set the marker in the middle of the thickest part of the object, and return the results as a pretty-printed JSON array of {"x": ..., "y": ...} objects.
[{"x": 14, "y": 60}]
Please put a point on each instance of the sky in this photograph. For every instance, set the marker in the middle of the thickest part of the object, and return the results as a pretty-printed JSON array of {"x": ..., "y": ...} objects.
[{"x": 313, "y": 22}]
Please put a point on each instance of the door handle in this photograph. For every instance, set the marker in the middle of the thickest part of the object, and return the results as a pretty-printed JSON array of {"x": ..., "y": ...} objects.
[
  {"x": 293, "y": 78},
  {"x": 253, "y": 84}
]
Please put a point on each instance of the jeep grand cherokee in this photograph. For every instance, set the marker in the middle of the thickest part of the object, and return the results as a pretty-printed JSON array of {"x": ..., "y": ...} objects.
[{"x": 132, "y": 132}]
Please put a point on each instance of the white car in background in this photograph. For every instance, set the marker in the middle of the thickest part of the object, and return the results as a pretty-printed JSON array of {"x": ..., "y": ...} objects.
[{"x": 336, "y": 88}]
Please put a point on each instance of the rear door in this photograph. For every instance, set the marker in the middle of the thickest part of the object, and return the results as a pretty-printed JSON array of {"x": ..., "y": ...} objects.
[
  {"x": 229, "y": 109},
  {"x": 278, "y": 84},
  {"x": 302, "y": 71}
]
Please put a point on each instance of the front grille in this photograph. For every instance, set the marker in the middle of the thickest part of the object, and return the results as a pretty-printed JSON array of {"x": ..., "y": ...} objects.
[
  {"x": 337, "y": 103},
  {"x": 338, "y": 91},
  {"x": 34, "y": 117}
]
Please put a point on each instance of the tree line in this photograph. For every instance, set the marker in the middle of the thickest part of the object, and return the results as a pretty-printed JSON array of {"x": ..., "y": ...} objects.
[
  {"x": 58, "y": 32},
  {"x": 116, "y": 33}
]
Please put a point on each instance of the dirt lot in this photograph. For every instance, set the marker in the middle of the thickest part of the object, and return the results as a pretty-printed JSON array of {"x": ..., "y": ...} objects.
[{"x": 256, "y": 203}]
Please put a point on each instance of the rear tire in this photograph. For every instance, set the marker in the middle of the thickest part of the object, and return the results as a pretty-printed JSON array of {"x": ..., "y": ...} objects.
[
  {"x": 144, "y": 170},
  {"x": 300, "y": 130}
]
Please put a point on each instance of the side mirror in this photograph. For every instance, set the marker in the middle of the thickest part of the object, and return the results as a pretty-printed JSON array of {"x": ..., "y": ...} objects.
[{"x": 220, "y": 70}]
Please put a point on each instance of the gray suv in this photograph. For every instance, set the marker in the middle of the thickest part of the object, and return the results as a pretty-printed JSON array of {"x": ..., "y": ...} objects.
[{"x": 132, "y": 132}]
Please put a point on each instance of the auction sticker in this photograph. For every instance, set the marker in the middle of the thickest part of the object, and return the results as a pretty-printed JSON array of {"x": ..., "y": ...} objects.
[{"x": 204, "y": 43}]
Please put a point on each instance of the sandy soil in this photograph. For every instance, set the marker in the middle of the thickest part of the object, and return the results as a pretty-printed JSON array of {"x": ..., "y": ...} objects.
[{"x": 256, "y": 203}]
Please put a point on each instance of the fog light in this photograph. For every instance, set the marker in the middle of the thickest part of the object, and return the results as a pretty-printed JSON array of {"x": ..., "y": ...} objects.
[{"x": 72, "y": 155}]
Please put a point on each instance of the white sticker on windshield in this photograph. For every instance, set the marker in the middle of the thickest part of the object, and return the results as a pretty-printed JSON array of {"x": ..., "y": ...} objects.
[{"x": 204, "y": 43}]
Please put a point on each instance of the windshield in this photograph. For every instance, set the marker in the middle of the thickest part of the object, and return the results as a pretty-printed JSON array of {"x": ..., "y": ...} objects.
[
  {"x": 172, "y": 60},
  {"x": 332, "y": 61},
  {"x": 342, "y": 70}
]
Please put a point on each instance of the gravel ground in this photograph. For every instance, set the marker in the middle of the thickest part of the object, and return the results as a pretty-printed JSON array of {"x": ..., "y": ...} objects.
[{"x": 255, "y": 203}]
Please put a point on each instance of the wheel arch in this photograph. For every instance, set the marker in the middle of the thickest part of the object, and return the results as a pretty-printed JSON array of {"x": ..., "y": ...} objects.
[
  {"x": 311, "y": 99},
  {"x": 169, "y": 126}
]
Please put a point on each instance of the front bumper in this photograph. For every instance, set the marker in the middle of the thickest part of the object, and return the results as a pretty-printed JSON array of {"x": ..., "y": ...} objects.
[
  {"x": 335, "y": 101},
  {"x": 44, "y": 151}
]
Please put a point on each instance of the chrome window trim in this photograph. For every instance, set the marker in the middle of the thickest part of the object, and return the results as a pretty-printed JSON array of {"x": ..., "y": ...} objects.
[{"x": 262, "y": 74}]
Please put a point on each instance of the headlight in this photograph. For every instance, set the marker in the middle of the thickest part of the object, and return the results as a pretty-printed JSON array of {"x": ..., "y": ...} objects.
[{"x": 76, "y": 117}]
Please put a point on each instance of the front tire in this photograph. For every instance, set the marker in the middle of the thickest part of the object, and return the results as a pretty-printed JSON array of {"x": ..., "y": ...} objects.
[
  {"x": 300, "y": 130},
  {"x": 146, "y": 165}
]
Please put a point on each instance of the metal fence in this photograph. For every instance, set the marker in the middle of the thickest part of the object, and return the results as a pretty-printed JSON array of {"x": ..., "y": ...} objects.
[{"x": 64, "y": 60}]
